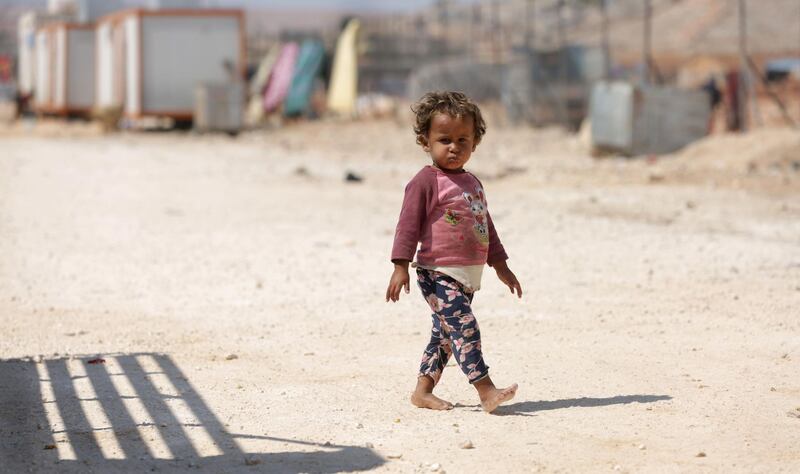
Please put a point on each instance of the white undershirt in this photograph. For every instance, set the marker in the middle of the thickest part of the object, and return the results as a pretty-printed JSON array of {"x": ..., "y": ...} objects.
[{"x": 467, "y": 275}]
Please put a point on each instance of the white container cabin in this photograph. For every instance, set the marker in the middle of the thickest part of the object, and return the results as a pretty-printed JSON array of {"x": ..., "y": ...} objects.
[
  {"x": 65, "y": 65},
  {"x": 28, "y": 25},
  {"x": 150, "y": 62},
  {"x": 110, "y": 72}
]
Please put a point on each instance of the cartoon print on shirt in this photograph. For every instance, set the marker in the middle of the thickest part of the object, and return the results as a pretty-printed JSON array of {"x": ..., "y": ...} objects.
[
  {"x": 477, "y": 204},
  {"x": 452, "y": 217}
]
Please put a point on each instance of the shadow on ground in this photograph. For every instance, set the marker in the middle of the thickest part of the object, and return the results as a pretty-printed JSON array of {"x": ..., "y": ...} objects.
[
  {"x": 48, "y": 423},
  {"x": 525, "y": 408}
]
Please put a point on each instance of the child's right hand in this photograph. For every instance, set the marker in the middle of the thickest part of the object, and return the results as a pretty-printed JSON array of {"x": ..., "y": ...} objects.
[{"x": 398, "y": 281}]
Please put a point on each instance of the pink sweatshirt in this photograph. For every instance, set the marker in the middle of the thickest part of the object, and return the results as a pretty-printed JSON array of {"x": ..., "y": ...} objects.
[{"x": 447, "y": 213}]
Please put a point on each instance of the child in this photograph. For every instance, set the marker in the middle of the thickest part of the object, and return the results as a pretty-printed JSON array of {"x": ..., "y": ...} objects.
[{"x": 444, "y": 208}]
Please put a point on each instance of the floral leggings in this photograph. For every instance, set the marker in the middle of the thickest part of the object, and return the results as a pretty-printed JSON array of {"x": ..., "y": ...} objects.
[{"x": 455, "y": 329}]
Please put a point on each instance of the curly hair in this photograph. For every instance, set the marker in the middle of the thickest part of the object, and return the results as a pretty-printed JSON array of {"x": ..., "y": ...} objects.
[{"x": 454, "y": 104}]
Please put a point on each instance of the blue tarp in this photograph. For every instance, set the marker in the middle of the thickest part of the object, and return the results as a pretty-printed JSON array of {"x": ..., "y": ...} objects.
[{"x": 783, "y": 65}]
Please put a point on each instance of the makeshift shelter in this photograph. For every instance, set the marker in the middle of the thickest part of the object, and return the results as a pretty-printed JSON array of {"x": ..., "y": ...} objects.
[
  {"x": 258, "y": 84},
  {"x": 639, "y": 120},
  {"x": 151, "y": 61},
  {"x": 344, "y": 76},
  {"x": 306, "y": 71},
  {"x": 281, "y": 78}
]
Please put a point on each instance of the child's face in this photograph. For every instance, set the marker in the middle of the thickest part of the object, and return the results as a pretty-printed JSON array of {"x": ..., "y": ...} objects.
[{"x": 450, "y": 141}]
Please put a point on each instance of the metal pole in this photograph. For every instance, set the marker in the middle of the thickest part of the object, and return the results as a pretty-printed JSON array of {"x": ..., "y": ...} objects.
[
  {"x": 530, "y": 49},
  {"x": 743, "y": 90},
  {"x": 473, "y": 30},
  {"x": 495, "y": 21},
  {"x": 441, "y": 12},
  {"x": 532, "y": 21},
  {"x": 606, "y": 47},
  {"x": 648, "y": 13},
  {"x": 563, "y": 87},
  {"x": 530, "y": 25}
]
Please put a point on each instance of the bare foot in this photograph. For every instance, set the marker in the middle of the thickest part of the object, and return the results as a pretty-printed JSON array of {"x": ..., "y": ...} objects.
[
  {"x": 496, "y": 396},
  {"x": 429, "y": 400}
]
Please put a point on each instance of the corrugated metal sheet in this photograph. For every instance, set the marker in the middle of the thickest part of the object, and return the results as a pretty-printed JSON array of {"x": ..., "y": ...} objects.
[
  {"x": 219, "y": 107},
  {"x": 636, "y": 120}
]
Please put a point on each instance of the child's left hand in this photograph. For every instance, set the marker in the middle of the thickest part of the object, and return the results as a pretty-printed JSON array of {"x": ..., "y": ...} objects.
[{"x": 507, "y": 276}]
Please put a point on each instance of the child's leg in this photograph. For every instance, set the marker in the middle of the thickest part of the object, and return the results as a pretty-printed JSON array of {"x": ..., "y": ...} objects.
[
  {"x": 453, "y": 306},
  {"x": 491, "y": 396},
  {"x": 436, "y": 354},
  {"x": 459, "y": 326},
  {"x": 434, "y": 359}
]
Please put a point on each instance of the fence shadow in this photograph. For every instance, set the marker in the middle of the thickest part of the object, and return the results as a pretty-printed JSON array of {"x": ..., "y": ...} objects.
[{"x": 134, "y": 413}]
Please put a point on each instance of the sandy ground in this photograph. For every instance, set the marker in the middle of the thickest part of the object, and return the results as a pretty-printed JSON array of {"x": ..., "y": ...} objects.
[{"x": 234, "y": 290}]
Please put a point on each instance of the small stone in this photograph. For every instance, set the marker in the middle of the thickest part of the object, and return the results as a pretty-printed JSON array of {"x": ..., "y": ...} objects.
[
  {"x": 359, "y": 426},
  {"x": 617, "y": 467},
  {"x": 351, "y": 177},
  {"x": 435, "y": 467},
  {"x": 466, "y": 445},
  {"x": 642, "y": 447},
  {"x": 397, "y": 420},
  {"x": 773, "y": 389},
  {"x": 49, "y": 446},
  {"x": 231, "y": 357},
  {"x": 394, "y": 455},
  {"x": 701, "y": 454},
  {"x": 252, "y": 462}
]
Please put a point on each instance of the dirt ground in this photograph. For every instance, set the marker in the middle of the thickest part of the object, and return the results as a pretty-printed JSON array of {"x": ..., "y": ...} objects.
[{"x": 182, "y": 303}]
